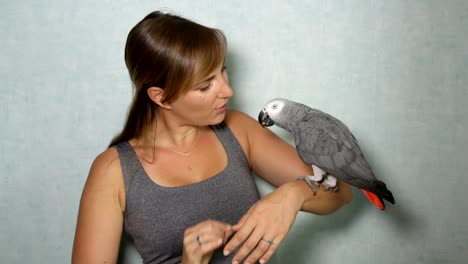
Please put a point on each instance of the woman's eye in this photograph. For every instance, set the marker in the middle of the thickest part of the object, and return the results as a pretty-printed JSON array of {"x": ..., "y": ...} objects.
[{"x": 205, "y": 88}]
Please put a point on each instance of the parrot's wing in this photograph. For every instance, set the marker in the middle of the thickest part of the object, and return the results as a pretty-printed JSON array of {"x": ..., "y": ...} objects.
[{"x": 326, "y": 142}]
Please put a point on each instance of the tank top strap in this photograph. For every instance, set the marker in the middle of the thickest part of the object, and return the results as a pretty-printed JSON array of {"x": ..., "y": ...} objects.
[
  {"x": 129, "y": 163},
  {"x": 133, "y": 171},
  {"x": 156, "y": 217},
  {"x": 230, "y": 143}
]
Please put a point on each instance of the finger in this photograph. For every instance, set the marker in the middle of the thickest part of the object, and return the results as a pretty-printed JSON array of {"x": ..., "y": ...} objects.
[
  {"x": 239, "y": 237},
  {"x": 203, "y": 244},
  {"x": 241, "y": 222},
  {"x": 253, "y": 242},
  {"x": 228, "y": 231},
  {"x": 191, "y": 247},
  {"x": 209, "y": 226},
  {"x": 263, "y": 246},
  {"x": 221, "y": 229},
  {"x": 204, "y": 232},
  {"x": 209, "y": 236},
  {"x": 210, "y": 246},
  {"x": 272, "y": 249},
  {"x": 216, "y": 231}
]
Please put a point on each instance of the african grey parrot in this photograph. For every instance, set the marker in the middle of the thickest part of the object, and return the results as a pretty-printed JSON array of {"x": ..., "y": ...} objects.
[{"x": 325, "y": 143}]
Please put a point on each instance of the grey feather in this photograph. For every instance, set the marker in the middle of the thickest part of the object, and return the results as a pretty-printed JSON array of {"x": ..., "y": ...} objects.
[{"x": 326, "y": 142}]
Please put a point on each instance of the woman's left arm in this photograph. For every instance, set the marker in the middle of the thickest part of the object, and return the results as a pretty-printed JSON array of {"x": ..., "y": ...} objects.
[{"x": 268, "y": 221}]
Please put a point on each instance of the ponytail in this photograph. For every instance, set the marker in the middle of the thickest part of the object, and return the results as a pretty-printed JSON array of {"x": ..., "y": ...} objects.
[{"x": 141, "y": 113}]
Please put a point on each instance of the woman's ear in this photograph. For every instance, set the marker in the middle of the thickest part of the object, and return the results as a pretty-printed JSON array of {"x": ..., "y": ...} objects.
[{"x": 156, "y": 95}]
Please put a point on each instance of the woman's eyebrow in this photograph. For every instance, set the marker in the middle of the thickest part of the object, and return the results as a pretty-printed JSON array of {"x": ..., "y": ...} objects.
[
  {"x": 209, "y": 78},
  {"x": 213, "y": 75}
]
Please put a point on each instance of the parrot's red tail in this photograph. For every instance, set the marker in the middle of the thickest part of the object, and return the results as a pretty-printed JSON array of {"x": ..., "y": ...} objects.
[{"x": 377, "y": 201}]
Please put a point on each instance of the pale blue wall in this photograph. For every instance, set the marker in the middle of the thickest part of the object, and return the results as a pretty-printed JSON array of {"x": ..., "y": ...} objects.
[{"x": 395, "y": 71}]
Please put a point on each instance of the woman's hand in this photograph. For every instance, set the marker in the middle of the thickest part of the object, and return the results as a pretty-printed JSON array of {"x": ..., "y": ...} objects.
[
  {"x": 202, "y": 239},
  {"x": 263, "y": 228}
]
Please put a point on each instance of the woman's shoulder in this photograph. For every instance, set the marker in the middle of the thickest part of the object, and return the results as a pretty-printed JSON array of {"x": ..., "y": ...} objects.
[
  {"x": 106, "y": 160},
  {"x": 235, "y": 118},
  {"x": 106, "y": 174},
  {"x": 244, "y": 128},
  {"x": 239, "y": 123},
  {"x": 240, "y": 120}
]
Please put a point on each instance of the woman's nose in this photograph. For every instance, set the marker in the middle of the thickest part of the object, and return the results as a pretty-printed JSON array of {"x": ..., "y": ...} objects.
[{"x": 226, "y": 90}]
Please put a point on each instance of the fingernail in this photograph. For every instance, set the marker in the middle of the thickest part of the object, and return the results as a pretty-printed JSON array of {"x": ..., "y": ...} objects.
[
  {"x": 226, "y": 252},
  {"x": 262, "y": 261}
]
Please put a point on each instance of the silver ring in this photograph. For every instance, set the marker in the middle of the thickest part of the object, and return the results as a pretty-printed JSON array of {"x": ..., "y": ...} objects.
[
  {"x": 269, "y": 241},
  {"x": 199, "y": 241}
]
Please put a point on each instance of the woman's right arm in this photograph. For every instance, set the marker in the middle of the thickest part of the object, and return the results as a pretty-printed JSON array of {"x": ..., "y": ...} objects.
[{"x": 100, "y": 217}]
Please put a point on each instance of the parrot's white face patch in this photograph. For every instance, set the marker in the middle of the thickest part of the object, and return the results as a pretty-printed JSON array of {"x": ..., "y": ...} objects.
[{"x": 273, "y": 108}]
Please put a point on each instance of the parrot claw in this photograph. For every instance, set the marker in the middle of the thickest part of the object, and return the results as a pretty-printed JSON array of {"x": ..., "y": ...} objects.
[
  {"x": 315, "y": 178},
  {"x": 330, "y": 182},
  {"x": 319, "y": 174},
  {"x": 309, "y": 179},
  {"x": 320, "y": 177}
]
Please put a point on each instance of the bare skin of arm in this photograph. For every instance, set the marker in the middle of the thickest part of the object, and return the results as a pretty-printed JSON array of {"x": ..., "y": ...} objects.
[
  {"x": 278, "y": 163},
  {"x": 262, "y": 229},
  {"x": 100, "y": 217}
]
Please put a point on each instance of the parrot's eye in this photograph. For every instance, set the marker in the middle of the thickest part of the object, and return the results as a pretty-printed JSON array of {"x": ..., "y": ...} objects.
[{"x": 275, "y": 106}]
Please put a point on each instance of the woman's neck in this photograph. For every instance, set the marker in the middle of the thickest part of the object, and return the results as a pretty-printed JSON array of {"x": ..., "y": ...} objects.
[{"x": 166, "y": 133}]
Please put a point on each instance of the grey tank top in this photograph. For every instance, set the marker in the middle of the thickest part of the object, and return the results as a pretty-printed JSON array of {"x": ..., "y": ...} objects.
[{"x": 156, "y": 216}]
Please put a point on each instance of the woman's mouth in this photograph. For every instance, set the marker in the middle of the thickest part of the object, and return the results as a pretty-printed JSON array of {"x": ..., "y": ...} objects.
[{"x": 221, "y": 109}]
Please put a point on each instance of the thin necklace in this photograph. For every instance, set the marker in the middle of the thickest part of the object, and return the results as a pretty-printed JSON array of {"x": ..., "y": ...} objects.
[
  {"x": 188, "y": 152},
  {"x": 184, "y": 153}
]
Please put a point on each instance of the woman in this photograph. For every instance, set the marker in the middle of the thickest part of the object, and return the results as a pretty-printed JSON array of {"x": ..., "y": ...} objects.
[{"x": 178, "y": 177}]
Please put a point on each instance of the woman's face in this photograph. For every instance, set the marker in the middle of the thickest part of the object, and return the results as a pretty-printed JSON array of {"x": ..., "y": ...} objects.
[{"x": 205, "y": 104}]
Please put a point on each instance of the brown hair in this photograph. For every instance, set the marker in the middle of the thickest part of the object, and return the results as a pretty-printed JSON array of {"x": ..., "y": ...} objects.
[{"x": 167, "y": 51}]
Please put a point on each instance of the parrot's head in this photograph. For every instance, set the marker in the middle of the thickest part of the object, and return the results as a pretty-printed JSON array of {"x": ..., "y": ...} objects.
[{"x": 271, "y": 113}]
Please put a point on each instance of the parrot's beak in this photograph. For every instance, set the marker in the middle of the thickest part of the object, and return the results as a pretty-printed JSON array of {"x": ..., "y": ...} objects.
[{"x": 264, "y": 119}]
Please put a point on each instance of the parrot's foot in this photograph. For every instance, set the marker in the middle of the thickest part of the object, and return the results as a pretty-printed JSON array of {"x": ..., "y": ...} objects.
[
  {"x": 330, "y": 182},
  {"x": 319, "y": 174},
  {"x": 320, "y": 177},
  {"x": 310, "y": 180}
]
